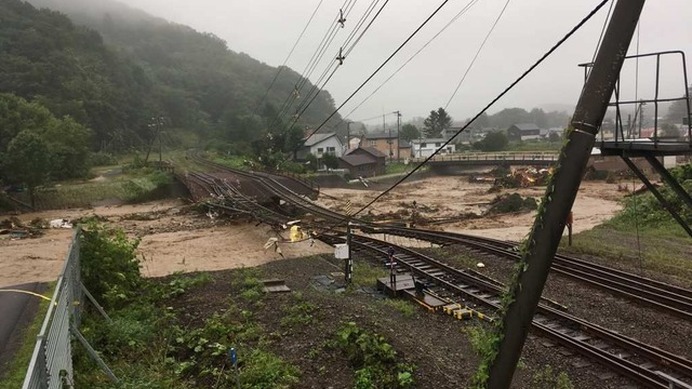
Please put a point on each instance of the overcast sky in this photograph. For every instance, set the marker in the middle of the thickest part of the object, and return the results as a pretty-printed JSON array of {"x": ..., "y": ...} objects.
[{"x": 267, "y": 29}]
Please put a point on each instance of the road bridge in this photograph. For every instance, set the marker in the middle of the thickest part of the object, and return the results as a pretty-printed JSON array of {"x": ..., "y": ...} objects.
[{"x": 539, "y": 159}]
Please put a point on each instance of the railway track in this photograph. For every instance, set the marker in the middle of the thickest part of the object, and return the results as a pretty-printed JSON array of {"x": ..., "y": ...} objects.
[
  {"x": 638, "y": 361},
  {"x": 629, "y": 357},
  {"x": 645, "y": 291},
  {"x": 662, "y": 296}
]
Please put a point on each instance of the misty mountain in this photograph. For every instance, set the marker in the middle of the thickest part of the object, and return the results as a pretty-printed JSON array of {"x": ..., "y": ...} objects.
[{"x": 139, "y": 67}]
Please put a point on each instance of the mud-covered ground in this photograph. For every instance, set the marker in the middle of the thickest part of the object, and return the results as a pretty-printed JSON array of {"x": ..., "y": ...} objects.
[{"x": 176, "y": 237}]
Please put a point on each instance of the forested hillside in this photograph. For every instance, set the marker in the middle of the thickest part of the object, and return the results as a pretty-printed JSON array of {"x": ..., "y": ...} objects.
[{"x": 114, "y": 68}]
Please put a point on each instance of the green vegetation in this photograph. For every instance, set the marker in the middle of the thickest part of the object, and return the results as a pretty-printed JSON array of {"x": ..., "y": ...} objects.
[
  {"x": 493, "y": 141},
  {"x": 511, "y": 202},
  {"x": 646, "y": 212},
  {"x": 509, "y": 116},
  {"x": 406, "y": 307},
  {"x": 365, "y": 274},
  {"x": 148, "y": 346},
  {"x": 374, "y": 359},
  {"x": 436, "y": 122},
  {"x": 537, "y": 145},
  {"x": 36, "y": 147},
  {"x": 546, "y": 378},
  {"x": 13, "y": 372},
  {"x": 397, "y": 167},
  {"x": 409, "y": 132},
  {"x": 133, "y": 186},
  {"x": 643, "y": 233},
  {"x": 95, "y": 86}
]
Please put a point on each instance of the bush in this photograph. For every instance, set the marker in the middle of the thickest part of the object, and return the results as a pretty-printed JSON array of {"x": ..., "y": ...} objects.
[
  {"x": 102, "y": 159},
  {"x": 374, "y": 359},
  {"x": 511, "y": 203},
  {"x": 110, "y": 267}
]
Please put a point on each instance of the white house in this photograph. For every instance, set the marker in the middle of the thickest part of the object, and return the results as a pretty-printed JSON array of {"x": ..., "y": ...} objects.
[
  {"x": 425, "y": 147},
  {"x": 320, "y": 144}
]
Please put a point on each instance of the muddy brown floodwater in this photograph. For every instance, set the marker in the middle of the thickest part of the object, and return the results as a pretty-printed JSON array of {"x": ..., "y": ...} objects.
[{"x": 175, "y": 239}]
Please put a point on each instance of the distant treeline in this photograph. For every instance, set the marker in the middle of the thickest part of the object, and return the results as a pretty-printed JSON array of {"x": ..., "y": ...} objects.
[{"x": 509, "y": 116}]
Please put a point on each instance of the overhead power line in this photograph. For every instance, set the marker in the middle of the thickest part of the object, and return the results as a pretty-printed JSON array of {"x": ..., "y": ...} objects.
[
  {"x": 317, "y": 88},
  {"x": 454, "y": 19},
  {"x": 492, "y": 102},
  {"x": 342, "y": 55},
  {"x": 381, "y": 66},
  {"x": 326, "y": 40},
  {"x": 478, "y": 52},
  {"x": 281, "y": 68}
]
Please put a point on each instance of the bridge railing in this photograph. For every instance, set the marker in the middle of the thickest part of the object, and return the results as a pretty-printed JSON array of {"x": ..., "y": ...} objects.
[{"x": 479, "y": 157}]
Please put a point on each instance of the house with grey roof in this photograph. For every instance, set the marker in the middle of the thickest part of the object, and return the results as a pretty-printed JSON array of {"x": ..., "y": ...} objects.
[
  {"x": 320, "y": 144},
  {"x": 364, "y": 162},
  {"x": 523, "y": 131}
]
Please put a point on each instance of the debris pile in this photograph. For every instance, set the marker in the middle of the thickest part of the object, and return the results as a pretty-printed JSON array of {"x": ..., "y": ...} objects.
[
  {"x": 521, "y": 178},
  {"x": 16, "y": 229},
  {"x": 511, "y": 203}
]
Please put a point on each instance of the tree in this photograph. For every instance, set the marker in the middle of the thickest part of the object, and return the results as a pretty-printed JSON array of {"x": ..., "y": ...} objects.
[
  {"x": 294, "y": 139},
  {"x": 669, "y": 130},
  {"x": 554, "y": 136},
  {"x": 409, "y": 132},
  {"x": 28, "y": 161},
  {"x": 68, "y": 142},
  {"x": 493, "y": 141},
  {"x": 330, "y": 161},
  {"x": 436, "y": 123},
  {"x": 678, "y": 110}
]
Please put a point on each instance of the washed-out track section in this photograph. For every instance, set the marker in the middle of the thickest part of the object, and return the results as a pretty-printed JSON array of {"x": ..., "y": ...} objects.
[
  {"x": 624, "y": 355},
  {"x": 662, "y": 296}
]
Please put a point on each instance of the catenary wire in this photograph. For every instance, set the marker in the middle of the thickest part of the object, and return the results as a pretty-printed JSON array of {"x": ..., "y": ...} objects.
[
  {"x": 492, "y": 102},
  {"x": 380, "y": 67},
  {"x": 312, "y": 63},
  {"x": 454, "y": 19},
  {"x": 315, "y": 89},
  {"x": 348, "y": 51},
  {"x": 290, "y": 53},
  {"x": 306, "y": 103},
  {"x": 478, "y": 52}
]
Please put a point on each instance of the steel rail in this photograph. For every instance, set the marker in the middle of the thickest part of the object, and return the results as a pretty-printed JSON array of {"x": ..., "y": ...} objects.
[
  {"x": 662, "y": 296},
  {"x": 568, "y": 330},
  {"x": 659, "y": 295}
]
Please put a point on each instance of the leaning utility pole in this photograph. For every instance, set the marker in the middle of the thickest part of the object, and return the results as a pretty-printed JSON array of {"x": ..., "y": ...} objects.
[{"x": 526, "y": 289}]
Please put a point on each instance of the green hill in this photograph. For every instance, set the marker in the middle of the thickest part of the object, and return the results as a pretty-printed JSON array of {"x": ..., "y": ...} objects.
[{"x": 112, "y": 68}]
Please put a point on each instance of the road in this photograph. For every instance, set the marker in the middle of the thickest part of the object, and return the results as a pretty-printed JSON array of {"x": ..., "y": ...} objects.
[{"x": 17, "y": 310}]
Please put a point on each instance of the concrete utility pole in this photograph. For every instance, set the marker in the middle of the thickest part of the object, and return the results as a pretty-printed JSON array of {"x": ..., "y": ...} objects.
[
  {"x": 398, "y": 130},
  {"x": 389, "y": 138},
  {"x": 561, "y": 192},
  {"x": 348, "y": 135}
]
